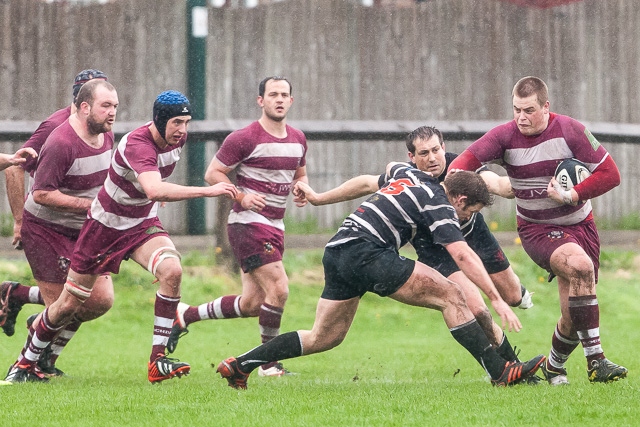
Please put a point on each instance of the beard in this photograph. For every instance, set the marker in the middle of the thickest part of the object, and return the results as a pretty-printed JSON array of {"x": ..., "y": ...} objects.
[
  {"x": 274, "y": 117},
  {"x": 96, "y": 127}
]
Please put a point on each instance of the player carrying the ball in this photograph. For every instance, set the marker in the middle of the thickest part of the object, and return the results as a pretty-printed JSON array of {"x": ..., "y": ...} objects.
[{"x": 555, "y": 225}]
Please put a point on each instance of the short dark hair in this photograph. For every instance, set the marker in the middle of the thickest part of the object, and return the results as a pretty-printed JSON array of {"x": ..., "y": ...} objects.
[
  {"x": 469, "y": 184},
  {"x": 264, "y": 81},
  {"x": 88, "y": 90},
  {"x": 423, "y": 132},
  {"x": 527, "y": 86}
]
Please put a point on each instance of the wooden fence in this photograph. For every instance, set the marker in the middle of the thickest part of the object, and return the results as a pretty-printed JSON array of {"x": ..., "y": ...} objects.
[
  {"x": 442, "y": 60},
  {"x": 340, "y": 150},
  {"x": 439, "y": 60}
]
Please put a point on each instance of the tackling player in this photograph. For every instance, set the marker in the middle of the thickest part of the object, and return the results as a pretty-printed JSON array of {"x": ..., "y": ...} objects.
[{"x": 363, "y": 257}]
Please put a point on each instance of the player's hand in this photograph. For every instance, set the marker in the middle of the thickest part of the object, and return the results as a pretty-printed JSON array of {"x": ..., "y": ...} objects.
[
  {"x": 559, "y": 194},
  {"x": 17, "y": 237},
  {"x": 303, "y": 192},
  {"x": 22, "y": 154},
  {"x": 224, "y": 189},
  {"x": 253, "y": 202},
  {"x": 510, "y": 321}
]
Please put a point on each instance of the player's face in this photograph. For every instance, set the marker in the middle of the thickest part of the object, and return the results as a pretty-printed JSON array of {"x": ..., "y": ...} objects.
[
  {"x": 530, "y": 116},
  {"x": 276, "y": 101},
  {"x": 429, "y": 155},
  {"x": 102, "y": 113},
  {"x": 177, "y": 129},
  {"x": 465, "y": 212}
]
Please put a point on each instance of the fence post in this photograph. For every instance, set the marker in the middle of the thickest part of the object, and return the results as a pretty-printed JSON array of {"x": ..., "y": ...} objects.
[{"x": 197, "y": 31}]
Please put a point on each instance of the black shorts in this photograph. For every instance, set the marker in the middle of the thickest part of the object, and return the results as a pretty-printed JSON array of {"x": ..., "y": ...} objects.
[
  {"x": 480, "y": 239},
  {"x": 484, "y": 243},
  {"x": 360, "y": 266}
]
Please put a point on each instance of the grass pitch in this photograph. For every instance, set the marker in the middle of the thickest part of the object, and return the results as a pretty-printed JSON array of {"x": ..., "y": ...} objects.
[{"x": 398, "y": 366}]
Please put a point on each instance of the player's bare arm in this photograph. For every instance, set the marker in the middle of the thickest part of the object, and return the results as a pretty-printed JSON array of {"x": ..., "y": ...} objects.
[
  {"x": 160, "y": 191},
  {"x": 14, "y": 177},
  {"x": 498, "y": 185},
  {"x": 59, "y": 201},
  {"x": 218, "y": 173},
  {"x": 353, "y": 188},
  {"x": 472, "y": 267}
]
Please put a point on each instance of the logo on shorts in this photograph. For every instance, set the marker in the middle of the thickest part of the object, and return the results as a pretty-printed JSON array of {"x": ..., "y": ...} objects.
[
  {"x": 555, "y": 234},
  {"x": 64, "y": 263},
  {"x": 268, "y": 248},
  {"x": 102, "y": 258},
  {"x": 153, "y": 230}
]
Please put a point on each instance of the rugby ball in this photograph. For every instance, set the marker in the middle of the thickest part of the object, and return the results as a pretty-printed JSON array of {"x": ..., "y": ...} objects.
[{"x": 571, "y": 172}]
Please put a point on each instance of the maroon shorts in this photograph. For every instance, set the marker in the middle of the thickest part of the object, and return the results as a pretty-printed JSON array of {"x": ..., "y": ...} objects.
[
  {"x": 255, "y": 245},
  {"x": 48, "y": 249},
  {"x": 541, "y": 240},
  {"x": 102, "y": 249}
]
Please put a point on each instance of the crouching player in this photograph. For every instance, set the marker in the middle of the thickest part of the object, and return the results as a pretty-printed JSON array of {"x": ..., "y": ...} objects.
[{"x": 363, "y": 257}]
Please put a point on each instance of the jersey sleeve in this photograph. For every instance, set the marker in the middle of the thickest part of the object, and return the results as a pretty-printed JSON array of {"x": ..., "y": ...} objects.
[
  {"x": 234, "y": 149},
  {"x": 39, "y": 137},
  {"x": 439, "y": 217},
  {"x": 140, "y": 156},
  {"x": 466, "y": 161},
  {"x": 490, "y": 146},
  {"x": 445, "y": 227},
  {"x": 55, "y": 160},
  {"x": 586, "y": 148}
]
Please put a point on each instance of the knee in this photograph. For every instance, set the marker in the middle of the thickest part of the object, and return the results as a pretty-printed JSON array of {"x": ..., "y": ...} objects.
[
  {"x": 334, "y": 342},
  {"x": 318, "y": 343},
  {"x": 513, "y": 298},
  {"x": 171, "y": 277},
  {"x": 456, "y": 297},
  {"x": 280, "y": 294},
  {"x": 576, "y": 266}
]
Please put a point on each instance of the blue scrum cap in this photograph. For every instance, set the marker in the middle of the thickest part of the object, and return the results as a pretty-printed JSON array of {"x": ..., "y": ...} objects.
[{"x": 169, "y": 104}]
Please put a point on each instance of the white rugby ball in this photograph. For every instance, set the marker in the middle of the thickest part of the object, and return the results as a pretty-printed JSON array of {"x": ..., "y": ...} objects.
[{"x": 571, "y": 172}]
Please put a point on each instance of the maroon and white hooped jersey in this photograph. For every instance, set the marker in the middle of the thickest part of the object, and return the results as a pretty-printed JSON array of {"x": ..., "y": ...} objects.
[
  {"x": 39, "y": 137},
  {"x": 121, "y": 203},
  {"x": 264, "y": 165},
  {"x": 531, "y": 162},
  {"x": 67, "y": 164}
]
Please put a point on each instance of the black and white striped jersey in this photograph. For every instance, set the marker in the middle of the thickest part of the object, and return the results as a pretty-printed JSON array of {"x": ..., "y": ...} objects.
[{"x": 409, "y": 202}]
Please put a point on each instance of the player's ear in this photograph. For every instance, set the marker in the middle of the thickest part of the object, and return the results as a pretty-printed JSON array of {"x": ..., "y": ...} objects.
[{"x": 462, "y": 201}]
